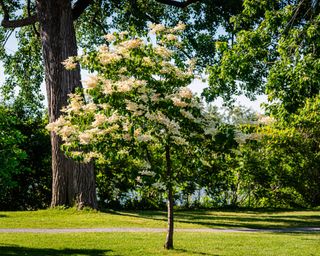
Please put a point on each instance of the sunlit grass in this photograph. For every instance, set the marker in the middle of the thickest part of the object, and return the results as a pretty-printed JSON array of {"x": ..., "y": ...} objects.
[
  {"x": 71, "y": 218},
  {"x": 96, "y": 244}
]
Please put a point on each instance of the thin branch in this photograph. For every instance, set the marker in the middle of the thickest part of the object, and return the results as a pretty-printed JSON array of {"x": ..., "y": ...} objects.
[
  {"x": 183, "y": 4},
  {"x": 94, "y": 20},
  {"x": 79, "y": 7},
  {"x": 7, "y": 38},
  {"x": 136, "y": 9},
  {"x": 29, "y": 15},
  {"x": 15, "y": 23}
]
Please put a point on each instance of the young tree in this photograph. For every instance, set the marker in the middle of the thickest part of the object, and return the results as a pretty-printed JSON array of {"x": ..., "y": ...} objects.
[{"x": 136, "y": 99}]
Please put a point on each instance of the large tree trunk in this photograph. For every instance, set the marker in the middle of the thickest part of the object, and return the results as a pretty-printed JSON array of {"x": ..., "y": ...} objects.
[
  {"x": 72, "y": 183},
  {"x": 169, "y": 239}
]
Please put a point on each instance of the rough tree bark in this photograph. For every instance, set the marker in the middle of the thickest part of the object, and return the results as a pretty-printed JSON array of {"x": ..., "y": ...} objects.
[
  {"x": 169, "y": 239},
  {"x": 72, "y": 183}
]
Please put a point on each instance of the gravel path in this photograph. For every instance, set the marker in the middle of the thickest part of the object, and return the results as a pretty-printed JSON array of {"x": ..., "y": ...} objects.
[{"x": 153, "y": 230}]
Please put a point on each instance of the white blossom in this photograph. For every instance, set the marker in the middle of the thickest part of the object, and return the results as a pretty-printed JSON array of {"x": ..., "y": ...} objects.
[
  {"x": 156, "y": 28},
  {"x": 70, "y": 63},
  {"x": 132, "y": 44},
  {"x": 112, "y": 128},
  {"x": 104, "y": 106},
  {"x": 124, "y": 86},
  {"x": 122, "y": 34},
  {"x": 131, "y": 106},
  {"x": 185, "y": 92},
  {"x": 109, "y": 57},
  {"x": 114, "y": 117},
  {"x": 89, "y": 108},
  {"x": 144, "y": 138},
  {"x": 146, "y": 61},
  {"x": 127, "y": 137},
  {"x": 109, "y": 37},
  {"x": 107, "y": 87},
  {"x": 178, "y": 102},
  {"x": 99, "y": 119},
  {"x": 66, "y": 131},
  {"x": 85, "y": 138},
  {"x": 262, "y": 119},
  {"x": 91, "y": 82},
  {"x": 137, "y": 132},
  {"x": 103, "y": 48},
  {"x": 163, "y": 51},
  {"x": 179, "y": 27},
  {"x": 171, "y": 37}
]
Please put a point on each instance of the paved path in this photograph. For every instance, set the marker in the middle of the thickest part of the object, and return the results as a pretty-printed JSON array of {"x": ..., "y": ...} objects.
[{"x": 154, "y": 230}]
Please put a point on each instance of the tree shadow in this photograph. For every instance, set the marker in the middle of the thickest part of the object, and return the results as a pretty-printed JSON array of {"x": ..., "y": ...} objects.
[
  {"x": 209, "y": 220},
  {"x": 194, "y": 252},
  {"x": 3, "y": 216},
  {"x": 6, "y": 250}
]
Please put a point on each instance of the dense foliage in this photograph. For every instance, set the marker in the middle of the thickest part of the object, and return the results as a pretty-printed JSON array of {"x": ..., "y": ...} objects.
[
  {"x": 275, "y": 51},
  {"x": 24, "y": 161}
]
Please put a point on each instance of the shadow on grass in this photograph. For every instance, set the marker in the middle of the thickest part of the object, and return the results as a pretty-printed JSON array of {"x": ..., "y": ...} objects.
[
  {"x": 194, "y": 252},
  {"x": 250, "y": 219},
  {"x": 3, "y": 216},
  {"x": 6, "y": 250}
]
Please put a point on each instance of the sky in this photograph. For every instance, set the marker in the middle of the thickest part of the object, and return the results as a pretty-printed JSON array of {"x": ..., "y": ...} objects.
[{"x": 196, "y": 86}]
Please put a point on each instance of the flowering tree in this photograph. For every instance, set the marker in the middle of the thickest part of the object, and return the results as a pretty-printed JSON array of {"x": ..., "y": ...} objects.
[{"x": 135, "y": 97}]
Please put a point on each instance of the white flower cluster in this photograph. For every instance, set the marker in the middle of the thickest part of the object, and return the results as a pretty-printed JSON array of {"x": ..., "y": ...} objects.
[
  {"x": 70, "y": 63},
  {"x": 132, "y": 98}
]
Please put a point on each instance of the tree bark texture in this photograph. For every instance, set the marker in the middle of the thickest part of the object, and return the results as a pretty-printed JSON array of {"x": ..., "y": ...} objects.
[
  {"x": 72, "y": 182},
  {"x": 169, "y": 240}
]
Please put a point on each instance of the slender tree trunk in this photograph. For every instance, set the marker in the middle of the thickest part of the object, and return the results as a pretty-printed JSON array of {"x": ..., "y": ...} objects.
[
  {"x": 169, "y": 239},
  {"x": 71, "y": 182}
]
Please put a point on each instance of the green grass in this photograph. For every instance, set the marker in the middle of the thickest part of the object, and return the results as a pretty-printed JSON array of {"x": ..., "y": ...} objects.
[
  {"x": 222, "y": 244},
  {"x": 71, "y": 218},
  {"x": 97, "y": 244}
]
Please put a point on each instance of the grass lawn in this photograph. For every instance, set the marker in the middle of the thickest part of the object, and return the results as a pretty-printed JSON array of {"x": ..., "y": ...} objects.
[
  {"x": 221, "y": 244},
  {"x": 55, "y": 218}
]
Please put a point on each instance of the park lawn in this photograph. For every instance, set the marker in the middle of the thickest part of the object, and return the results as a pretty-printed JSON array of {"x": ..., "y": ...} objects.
[
  {"x": 72, "y": 218},
  {"x": 98, "y": 244}
]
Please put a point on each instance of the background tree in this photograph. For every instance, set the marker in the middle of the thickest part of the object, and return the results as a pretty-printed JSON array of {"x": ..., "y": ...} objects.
[
  {"x": 25, "y": 160},
  {"x": 275, "y": 51}
]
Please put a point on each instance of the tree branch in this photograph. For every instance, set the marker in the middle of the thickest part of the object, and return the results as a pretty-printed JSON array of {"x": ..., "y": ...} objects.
[
  {"x": 136, "y": 9},
  {"x": 79, "y": 7},
  {"x": 183, "y": 4},
  {"x": 19, "y": 23},
  {"x": 29, "y": 15},
  {"x": 15, "y": 23}
]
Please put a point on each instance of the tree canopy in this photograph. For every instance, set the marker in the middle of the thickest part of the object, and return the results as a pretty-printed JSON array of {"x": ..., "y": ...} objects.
[{"x": 275, "y": 51}]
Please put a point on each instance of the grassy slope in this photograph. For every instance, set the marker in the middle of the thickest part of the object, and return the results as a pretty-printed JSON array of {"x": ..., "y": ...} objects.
[{"x": 183, "y": 219}]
